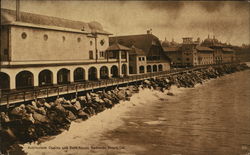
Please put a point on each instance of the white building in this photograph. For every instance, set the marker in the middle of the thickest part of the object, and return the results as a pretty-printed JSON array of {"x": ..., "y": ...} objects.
[{"x": 39, "y": 50}]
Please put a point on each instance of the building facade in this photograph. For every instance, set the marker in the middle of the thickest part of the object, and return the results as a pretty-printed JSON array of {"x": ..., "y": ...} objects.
[
  {"x": 194, "y": 53},
  {"x": 38, "y": 50},
  {"x": 149, "y": 53},
  {"x": 205, "y": 55}
]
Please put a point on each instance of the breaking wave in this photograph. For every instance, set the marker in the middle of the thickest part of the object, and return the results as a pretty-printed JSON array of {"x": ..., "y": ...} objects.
[{"x": 83, "y": 135}]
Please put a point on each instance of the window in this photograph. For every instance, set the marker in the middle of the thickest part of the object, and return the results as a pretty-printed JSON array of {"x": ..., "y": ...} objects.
[
  {"x": 102, "y": 42},
  {"x": 63, "y": 38},
  {"x": 123, "y": 55},
  {"x": 5, "y": 52},
  {"x": 91, "y": 55},
  {"x": 79, "y": 39},
  {"x": 143, "y": 59},
  {"x": 102, "y": 54},
  {"x": 187, "y": 59},
  {"x": 139, "y": 58},
  {"x": 91, "y": 43},
  {"x": 45, "y": 37},
  {"x": 24, "y": 35}
]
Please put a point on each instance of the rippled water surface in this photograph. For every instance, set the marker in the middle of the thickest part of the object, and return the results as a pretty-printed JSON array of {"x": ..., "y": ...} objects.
[{"x": 213, "y": 118}]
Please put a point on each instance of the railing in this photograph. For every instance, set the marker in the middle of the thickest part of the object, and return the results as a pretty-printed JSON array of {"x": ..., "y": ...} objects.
[{"x": 27, "y": 95}]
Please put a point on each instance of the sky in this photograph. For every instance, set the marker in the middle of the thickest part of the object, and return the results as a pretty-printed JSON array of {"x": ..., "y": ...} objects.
[{"x": 228, "y": 21}]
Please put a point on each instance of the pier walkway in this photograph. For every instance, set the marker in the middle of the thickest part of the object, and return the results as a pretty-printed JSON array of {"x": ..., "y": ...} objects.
[{"x": 17, "y": 96}]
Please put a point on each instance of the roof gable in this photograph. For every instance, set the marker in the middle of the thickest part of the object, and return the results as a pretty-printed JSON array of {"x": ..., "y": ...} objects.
[
  {"x": 117, "y": 47},
  {"x": 143, "y": 41}
]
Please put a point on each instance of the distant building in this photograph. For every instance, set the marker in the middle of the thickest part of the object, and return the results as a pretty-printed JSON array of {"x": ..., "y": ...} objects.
[
  {"x": 149, "y": 53},
  {"x": 205, "y": 55},
  {"x": 222, "y": 53},
  {"x": 189, "y": 53},
  {"x": 175, "y": 55},
  {"x": 228, "y": 55}
]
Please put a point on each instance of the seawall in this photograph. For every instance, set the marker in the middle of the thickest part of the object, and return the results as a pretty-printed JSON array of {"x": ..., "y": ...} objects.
[{"x": 27, "y": 123}]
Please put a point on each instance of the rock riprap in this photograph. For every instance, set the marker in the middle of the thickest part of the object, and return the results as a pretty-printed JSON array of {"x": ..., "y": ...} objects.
[{"x": 27, "y": 123}]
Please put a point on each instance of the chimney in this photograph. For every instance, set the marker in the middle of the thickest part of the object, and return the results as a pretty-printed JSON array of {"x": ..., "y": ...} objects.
[
  {"x": 149, "y": 31},
  {"x": 17, "y": 10}
]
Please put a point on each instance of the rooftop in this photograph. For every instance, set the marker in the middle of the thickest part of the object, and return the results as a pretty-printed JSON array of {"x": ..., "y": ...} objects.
[
  {"x": 170, "y": 49},
  {"x": 227, "y": 50},
  {"x": 8, "y": 17},
  {"x": 203, "y": 48},
  {"x": 141, "y": 41},
  {"x": 117, "y": 47},
  {"x": 136, "y": 51}
]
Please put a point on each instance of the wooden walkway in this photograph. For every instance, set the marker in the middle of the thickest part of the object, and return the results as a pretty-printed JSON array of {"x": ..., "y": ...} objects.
[{"x": 52, "y": 91}]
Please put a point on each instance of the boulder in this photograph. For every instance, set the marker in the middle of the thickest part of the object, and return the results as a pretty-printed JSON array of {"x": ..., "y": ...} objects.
[
  {"x": 18, "y": 111},
  {"x": 71, "y": 108},
  {"x": 29, "y": 118},
  {"x": 30, "y": 108},
  {"x": 41, "y": 110},
  {"x": 108, "y": 103},
  {"x": 77, "y": 105},
  {"x": 71, "y": 116},
  {"x": 89, "y": 99},
  {"x": 4, "y": 117},
  {"x": 128, "y": 93},
  {"x": 40, "y": 102},
  {"x": 170, "y": 94},
  {"x": 47, "y": 105},
  {"x": 39, "y": 118},
  {"x": 60, "y": 108},
  {"x": 82, "y": 114},
  {"x": 59, "y": 101}
]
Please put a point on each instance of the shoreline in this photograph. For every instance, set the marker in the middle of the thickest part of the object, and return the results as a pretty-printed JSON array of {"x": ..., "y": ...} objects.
[{"x": 28, "y": 123}]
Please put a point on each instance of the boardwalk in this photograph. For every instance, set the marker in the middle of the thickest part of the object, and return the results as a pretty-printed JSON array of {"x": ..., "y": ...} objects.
[{"x": 51, "y": 91}]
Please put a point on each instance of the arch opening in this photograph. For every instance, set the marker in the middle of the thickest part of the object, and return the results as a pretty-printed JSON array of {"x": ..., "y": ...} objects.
[
  {"x": 114, "y": 71},
  {"x": 45, "y": 78},
  {"x": 63, "y": 76},
  {"x": 92, "y": 73},
  {"x": 79, "y": 75},
  {"x": 155, "y": 68},
  {"x": 160, "y": 68},
  {"x": 104, "y": 72},
  {"x": 4, "y": 81},
  {"x": 24, "y": 79},
  {"x": 149, "y": 69},
  {"x": 141, "y": 69}
]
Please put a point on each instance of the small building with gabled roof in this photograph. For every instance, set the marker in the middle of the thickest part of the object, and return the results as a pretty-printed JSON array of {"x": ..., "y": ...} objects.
[{"x": 153, "y": 58}]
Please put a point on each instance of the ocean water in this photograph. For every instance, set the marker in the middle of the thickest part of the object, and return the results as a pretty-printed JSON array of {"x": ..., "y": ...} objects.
[{"x": 210, "y": 119}]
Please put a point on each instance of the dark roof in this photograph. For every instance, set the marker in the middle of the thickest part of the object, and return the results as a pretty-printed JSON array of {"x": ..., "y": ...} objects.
[
  {"x": 170, "y": 49},
  {"x": 227, "y": 50},
  {"x": 117, "y": 47},
  {"x": 9, "y": 17},
  {"x": 136, "y": 51},
  {"x": 141, "y": 41},
  {"x": 203, "y": 48}
]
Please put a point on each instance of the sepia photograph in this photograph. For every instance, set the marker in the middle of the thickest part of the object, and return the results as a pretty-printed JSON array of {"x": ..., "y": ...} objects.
[{"x": 125, "y": 77}]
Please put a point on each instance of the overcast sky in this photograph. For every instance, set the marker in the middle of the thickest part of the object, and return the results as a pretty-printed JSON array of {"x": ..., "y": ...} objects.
[{"x": 228, "y": 21}]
